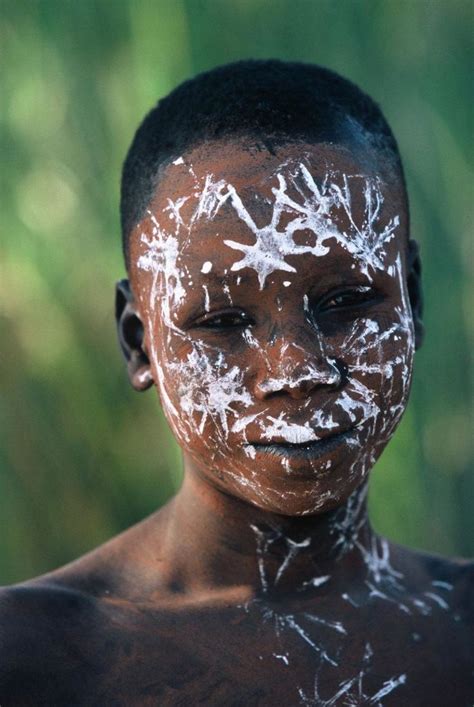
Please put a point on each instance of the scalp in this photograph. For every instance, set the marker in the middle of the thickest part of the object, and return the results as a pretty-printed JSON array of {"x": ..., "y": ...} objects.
[{"x": 270, "y": 101}]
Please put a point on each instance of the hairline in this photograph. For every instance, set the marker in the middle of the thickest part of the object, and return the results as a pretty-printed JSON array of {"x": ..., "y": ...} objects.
[{"x": 392, "y": 173}]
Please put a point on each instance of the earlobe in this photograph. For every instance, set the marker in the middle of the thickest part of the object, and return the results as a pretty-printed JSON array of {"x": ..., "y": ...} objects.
[
  {"x": 415, "y": 291},
  {"x": 130, "y": 334}
]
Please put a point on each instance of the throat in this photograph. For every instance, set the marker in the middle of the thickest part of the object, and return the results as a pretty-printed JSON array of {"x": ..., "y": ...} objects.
[{"x": 217, "y": 544}]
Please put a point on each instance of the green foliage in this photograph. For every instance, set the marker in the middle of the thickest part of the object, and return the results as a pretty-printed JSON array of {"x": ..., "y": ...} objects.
[{"x": 81, "y": 456}]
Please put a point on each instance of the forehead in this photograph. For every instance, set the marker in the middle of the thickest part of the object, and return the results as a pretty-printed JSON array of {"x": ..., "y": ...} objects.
[{"x": 224, "y": 192}]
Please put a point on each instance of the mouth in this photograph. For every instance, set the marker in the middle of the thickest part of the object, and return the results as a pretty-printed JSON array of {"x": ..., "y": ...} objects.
[{"x": 303, "y": 450}]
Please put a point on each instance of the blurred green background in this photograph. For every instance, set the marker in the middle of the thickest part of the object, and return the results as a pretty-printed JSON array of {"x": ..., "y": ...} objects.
[{"x": 81, "y": 455}]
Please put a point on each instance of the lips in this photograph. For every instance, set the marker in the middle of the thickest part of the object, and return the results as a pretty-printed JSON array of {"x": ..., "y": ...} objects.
[{"x": 305, "y": 450}]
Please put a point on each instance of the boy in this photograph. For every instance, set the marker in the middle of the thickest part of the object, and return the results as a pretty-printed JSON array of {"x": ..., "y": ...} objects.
[{"x": 274, "y": 301}]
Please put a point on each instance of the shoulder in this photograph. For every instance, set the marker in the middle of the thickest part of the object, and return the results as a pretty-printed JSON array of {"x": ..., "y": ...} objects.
[
  {"x": 455, "y": 577},
  {"x": 42, "y": 605},
  {"x": 448, "y": 581},
  {"x": 43, "y": 626}
]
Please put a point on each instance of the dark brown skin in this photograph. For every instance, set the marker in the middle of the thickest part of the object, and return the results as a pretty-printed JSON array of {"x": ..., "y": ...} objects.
[{"x": 237, "y": 594}]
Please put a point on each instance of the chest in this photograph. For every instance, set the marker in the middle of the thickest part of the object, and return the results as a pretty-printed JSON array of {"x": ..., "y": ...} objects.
[{"x": 267, "y": 656}]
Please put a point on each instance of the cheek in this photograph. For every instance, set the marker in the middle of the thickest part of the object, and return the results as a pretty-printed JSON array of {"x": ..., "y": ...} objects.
[
  {"x": 378, "y": 354},
  {"x": 202, "y": 393}
]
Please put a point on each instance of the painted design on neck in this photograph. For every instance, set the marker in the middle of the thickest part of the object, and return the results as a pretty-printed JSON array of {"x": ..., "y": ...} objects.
[{"x": 327, "y": 636}]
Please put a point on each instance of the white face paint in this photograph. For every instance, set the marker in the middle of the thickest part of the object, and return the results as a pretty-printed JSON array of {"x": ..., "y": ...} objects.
[
  {"x": 228, "y": 385},
  {"x": 207, "y": 267},
  {"x": 365, "y": 240}
]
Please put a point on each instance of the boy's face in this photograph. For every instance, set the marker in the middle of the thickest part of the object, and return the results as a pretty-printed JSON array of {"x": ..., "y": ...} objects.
[{"x": 272, "y": 291}]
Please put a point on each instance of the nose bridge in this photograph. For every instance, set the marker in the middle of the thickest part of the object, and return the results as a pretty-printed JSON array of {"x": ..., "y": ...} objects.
[{"x": 296, "y": 361}]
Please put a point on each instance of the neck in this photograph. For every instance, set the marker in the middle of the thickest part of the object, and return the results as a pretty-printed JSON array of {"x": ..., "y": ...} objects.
[{"x": 215, "y": 542}]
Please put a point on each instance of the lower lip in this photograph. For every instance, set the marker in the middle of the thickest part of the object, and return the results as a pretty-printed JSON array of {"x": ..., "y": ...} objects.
[{"x": 309, "y": 451}]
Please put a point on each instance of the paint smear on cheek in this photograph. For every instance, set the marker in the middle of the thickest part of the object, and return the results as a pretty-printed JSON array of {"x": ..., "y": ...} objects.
[
  {"x": 379, "y": 369},
  {"x": 167, "y": 290},
  {"x": 208, "y": 390}
]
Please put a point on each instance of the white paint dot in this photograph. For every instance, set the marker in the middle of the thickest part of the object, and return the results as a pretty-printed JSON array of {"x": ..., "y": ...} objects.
[
  {"x": 286, "y": 283},
  {"x": 207, "y": 267}
]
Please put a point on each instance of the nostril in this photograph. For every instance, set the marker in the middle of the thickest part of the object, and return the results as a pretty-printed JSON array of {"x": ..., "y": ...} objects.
[
  {"x": 274, "y": 394},
  {"x": 342, "y": 371}
]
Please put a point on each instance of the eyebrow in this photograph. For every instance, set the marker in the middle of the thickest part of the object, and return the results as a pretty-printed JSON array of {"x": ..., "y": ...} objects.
[{"x": 245, "y": 276}]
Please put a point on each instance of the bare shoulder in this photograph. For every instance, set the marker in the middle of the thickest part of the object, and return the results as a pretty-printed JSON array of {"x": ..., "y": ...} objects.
[
  {"x": 42, "y": 629},
  {"x": 448, "y": 580},
  {"x": 66, "y": 636},
  {"x": 433, "y": 564},
  {"x": 40, "y": 606}
]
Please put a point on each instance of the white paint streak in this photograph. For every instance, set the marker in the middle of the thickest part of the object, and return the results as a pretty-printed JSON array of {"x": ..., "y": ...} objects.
[{"x": 274, "y": 242}]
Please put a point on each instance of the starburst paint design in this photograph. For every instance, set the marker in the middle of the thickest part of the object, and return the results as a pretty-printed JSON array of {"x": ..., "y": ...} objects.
[
  {"x": 209, "y": 389},
  {"x": 274, "y": 243}
]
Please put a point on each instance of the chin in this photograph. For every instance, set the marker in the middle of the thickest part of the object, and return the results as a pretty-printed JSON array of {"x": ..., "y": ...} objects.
[{"x": 297, "y": 497}]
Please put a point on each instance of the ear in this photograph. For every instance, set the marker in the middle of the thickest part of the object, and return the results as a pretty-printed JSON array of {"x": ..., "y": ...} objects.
[
  {"x": 130, "y": 333},
  {"x": 415, "y": 292}
]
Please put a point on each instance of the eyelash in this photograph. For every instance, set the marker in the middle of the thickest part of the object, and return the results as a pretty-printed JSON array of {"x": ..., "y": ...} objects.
[
  {"x": 231, "y": 321},
  {"x": 357, "y": 296},
  {"x": 218, "y": 322}
]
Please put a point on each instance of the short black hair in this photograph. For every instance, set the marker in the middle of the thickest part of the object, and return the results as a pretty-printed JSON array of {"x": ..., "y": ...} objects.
[{"x": 271, "y": 100}]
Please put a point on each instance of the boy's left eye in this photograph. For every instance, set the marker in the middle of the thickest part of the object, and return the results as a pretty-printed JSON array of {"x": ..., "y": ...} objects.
[{"x": 345, "y": 299}]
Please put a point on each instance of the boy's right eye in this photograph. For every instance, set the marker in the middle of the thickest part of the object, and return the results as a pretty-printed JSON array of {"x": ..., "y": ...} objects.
[{"x": 225, "y": 321}]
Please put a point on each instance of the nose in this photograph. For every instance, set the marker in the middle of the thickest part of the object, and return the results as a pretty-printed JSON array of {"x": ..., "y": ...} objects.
[{"x": 290, "y": 368}]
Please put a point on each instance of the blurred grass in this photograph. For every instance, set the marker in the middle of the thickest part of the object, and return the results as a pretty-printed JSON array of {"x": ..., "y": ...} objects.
[{"x": 81, "y": 455}]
